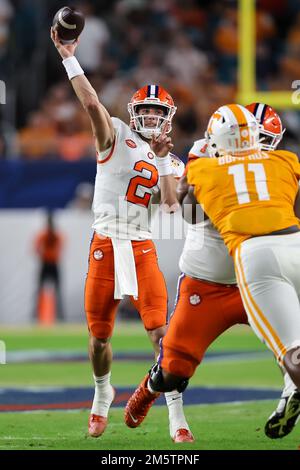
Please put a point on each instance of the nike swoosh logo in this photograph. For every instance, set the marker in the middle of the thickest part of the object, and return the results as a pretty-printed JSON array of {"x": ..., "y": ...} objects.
[
  {"x": 146, "y": 251},
  {"x": 133, "y": 419}
]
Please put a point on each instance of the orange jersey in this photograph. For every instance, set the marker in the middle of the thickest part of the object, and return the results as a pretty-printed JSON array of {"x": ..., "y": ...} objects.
[
  {"x": 247, "y": 196},
  {"x": 48, "y": 245}
]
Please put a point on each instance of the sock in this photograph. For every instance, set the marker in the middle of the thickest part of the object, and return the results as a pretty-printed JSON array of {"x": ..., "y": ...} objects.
[
  {"x": 104, "y": 395},
  {"x": 289, "y": 386},
  {"x": 176, "y": 415}
]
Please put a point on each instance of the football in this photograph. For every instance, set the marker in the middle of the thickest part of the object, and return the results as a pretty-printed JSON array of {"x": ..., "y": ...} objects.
[{"x": 69, "y": 23}]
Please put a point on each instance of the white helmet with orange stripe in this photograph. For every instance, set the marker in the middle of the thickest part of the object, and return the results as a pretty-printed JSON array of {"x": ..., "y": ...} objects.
[{"x": 232, "y": 129}]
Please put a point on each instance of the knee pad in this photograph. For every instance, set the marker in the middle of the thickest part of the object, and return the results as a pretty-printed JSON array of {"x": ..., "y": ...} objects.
[{"x": 159, "y": 384}]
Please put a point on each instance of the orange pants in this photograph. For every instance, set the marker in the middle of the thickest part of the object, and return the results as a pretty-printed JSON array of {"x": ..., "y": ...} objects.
[
  {"x": 203, "y": 311},
  {"x": 100, "y": 305}
]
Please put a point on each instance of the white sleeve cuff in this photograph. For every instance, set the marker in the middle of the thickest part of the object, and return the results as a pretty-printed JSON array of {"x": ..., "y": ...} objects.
[
  {"x": 72, "y": 67},
  {"x": 164, "y": 165}
]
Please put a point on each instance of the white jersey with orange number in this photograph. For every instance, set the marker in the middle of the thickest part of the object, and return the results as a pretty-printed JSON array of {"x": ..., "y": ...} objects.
[
  {"x": 126, "y": 181},
  {"x": 204, "y": 254}
]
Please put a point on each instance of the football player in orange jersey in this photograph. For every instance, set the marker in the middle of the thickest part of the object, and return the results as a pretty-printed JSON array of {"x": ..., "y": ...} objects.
[
  {"x": 215, "y": 306},
  {"x": 249, "y": 195},
  {"x": 134, "y": 171},
  {"x": 283, "y": 419}
]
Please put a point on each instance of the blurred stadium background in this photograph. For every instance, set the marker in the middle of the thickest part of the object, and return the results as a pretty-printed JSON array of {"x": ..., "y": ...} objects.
[{"x": 205, "y": 53}]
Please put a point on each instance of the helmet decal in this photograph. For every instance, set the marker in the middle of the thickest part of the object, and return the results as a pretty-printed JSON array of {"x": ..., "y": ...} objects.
[{"x": 152, "y": 91}]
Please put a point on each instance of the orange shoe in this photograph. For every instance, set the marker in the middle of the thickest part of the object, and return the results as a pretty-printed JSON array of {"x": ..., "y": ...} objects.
[
  {"x": 97, "y": 425},
  {"x": 183, "y": 435},
  {"x": 139, "y": 404}
]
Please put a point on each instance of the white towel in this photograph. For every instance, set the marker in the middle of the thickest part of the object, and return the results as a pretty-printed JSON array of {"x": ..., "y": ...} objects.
[{"x": 125, "y": 272}]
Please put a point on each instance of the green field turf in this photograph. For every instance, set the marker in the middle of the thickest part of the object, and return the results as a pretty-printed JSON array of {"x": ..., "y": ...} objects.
[
  {"x": 228, "y": 426},
  {"x": 263, "y": 373},
  {"x": 130, "y": 336},
  {"x": 216, "y": 427}
]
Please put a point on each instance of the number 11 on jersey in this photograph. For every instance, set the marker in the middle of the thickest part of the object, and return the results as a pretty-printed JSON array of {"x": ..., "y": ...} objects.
[{"x": 240, "y": 183}]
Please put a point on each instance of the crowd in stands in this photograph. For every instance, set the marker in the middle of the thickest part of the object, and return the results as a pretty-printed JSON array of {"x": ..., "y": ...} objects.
[{"x": 188, "y": 46}]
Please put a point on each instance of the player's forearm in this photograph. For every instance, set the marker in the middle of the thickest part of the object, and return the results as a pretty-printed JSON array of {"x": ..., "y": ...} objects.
[
  {"x": 168, "y": 193},
  {"x": 85, "y": 92},
  {"x": 82, "y": 87},
  {"x": 182, "y": 189},
  {"x": 100, "y": 119},
  {"x": 88, "y": 97}
]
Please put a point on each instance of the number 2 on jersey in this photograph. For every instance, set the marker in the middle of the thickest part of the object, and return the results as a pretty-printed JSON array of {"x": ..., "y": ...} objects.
[
  {"x": 240, "y": 184},
  {"x": 142, "y": 182}
]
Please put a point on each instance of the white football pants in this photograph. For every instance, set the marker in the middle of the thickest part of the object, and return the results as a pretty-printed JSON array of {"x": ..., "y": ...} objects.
[{"x": 268, "y": 275}]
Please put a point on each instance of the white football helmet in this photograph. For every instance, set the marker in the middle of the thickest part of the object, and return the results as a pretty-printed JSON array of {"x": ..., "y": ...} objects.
[{"x": 232, "y": 129}]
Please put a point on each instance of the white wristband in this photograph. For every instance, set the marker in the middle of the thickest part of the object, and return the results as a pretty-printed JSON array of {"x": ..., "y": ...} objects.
[
  {"x": 72, "y": 67},
  {"x": 164, "y": 165}
]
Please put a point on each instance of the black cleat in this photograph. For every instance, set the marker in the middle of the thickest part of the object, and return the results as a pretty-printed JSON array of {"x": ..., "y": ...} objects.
[{"x": 285, "y": 417}]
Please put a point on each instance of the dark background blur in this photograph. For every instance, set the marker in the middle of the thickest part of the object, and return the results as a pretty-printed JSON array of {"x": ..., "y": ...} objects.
[
  {"x": 187, "y": 46},
  {"x": 47, "y": 155}
]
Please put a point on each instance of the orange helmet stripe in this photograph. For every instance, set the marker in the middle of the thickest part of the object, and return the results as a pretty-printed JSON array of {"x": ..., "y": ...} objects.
[
  {"x": 242, "y": 122},
  {"x": 238, "y": 114}
]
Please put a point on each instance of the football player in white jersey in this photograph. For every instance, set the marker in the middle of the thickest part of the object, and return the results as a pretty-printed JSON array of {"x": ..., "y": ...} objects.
[
  {"x": 134, "y": 170},
  {"x": 208, "y": 302}
]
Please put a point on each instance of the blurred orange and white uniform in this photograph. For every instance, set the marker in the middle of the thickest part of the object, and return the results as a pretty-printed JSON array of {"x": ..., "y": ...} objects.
[
  {"x": 122, "y": 254},
  {"x": 208, "y": 301},
  {"x": 247, "y": 197}
]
